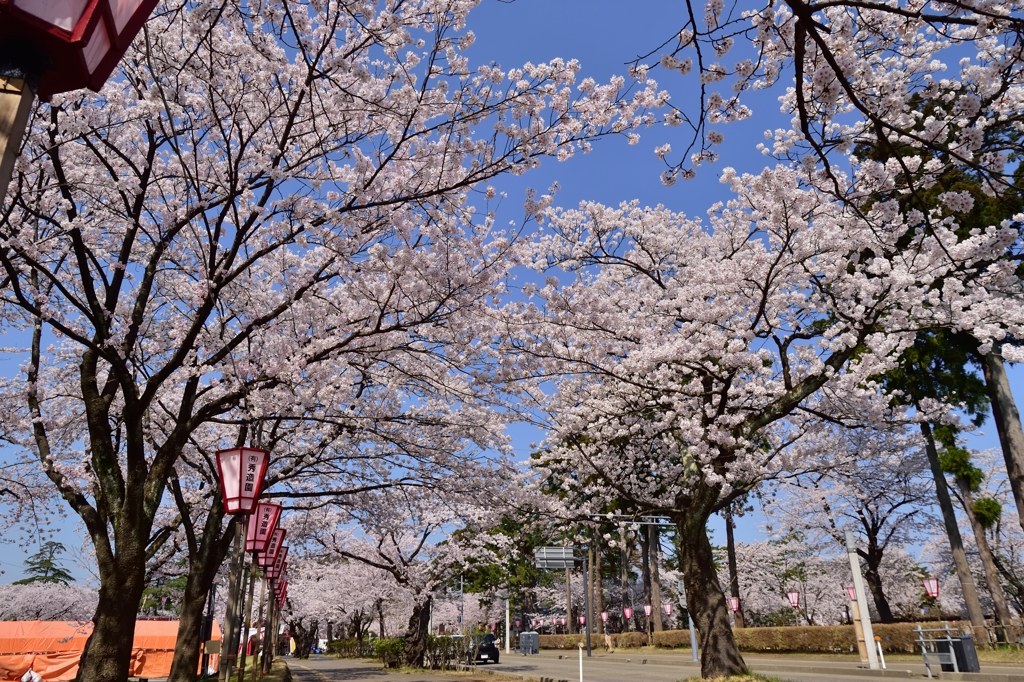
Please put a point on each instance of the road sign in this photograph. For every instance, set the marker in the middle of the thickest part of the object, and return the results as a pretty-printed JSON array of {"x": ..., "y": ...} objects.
[{"x": 554, "y": 557}]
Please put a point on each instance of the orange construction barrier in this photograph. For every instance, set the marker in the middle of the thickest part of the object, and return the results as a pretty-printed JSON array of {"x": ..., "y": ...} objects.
[{"x": 52, "y": 647}]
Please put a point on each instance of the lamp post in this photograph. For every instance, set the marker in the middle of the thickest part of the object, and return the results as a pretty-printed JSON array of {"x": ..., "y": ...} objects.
[{"x": 52, "y": 47}]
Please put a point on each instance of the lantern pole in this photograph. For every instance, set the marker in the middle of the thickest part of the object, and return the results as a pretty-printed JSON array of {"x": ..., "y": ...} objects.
[
  {"x": 229, "y": 641},
  {"x": 862, "y": 601},
  {"x": 508, "y": 623},
  {"x": 248, "y": 619},
  {"x": 259, "y": 622}
]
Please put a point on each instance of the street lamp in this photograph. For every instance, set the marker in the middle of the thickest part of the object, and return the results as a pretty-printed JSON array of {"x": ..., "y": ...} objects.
[
  {"x": 667, "y": 608},
  {"x": 794, "y": 598},
  {"x": 604, "y": 616},
  {"x": 647, "y": 610},
  {"x": 53, "y": 46},
  {"x": 628, "y": 613},
  {"x": 583, "y": 620},
  {"x": 734, "y": 604},
  {"x": 931, "y": 587}
]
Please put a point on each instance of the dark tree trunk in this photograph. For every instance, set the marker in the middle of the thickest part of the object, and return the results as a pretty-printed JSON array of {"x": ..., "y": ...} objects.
[
  {"x": 719, "y": 655},
  {"x": 205, "y": 558},
  {"x": 655, "y": 579},
  {"x": 1004, "y": 620},
  {"x": 598, "y": 586},
  {"x": 956, "y": 544},
  {"x": 1008, "y": 426},
  {"x": 305, "y": 637},
  {"x": 873, "y": 578},
  {"x": 645, "y": 569},
  {"x": 108, "y": 651},
  {"x": 416, "y": 633},
  {"x": 734, "y": 578}
]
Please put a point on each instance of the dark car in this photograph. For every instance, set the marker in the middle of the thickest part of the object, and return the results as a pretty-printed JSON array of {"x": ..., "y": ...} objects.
[{"x": 486, "y": 649}]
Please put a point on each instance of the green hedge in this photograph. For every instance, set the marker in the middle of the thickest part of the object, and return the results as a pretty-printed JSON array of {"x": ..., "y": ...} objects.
[{"x": 896, "y": 638}]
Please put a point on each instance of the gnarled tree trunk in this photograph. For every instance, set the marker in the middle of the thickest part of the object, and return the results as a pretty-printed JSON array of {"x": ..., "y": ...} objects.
[
  {"x": 416, "y": 633},
  {"x": 719, "y": 655}
]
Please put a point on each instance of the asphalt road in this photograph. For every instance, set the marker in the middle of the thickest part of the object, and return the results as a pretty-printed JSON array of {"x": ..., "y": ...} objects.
[{"x": 601, "y": 668}]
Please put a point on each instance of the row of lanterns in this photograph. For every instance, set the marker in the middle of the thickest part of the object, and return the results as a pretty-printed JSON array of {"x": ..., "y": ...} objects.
[
  {"x": 242, "y": 472},
  {"x": 605, "y": 615},
  {"x": 931, "y": 587}
]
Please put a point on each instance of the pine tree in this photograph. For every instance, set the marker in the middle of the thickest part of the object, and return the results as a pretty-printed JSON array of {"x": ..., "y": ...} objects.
[{"x": 43, "y": 567}]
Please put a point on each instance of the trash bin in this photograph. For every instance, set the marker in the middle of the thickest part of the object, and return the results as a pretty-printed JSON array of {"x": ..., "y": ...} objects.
[
  {"x": 529, "y": 643},
  {"x": 964, "y": 650}
]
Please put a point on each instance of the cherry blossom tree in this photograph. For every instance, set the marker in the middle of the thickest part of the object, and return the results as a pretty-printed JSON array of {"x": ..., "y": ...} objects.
[
  {"x": 912, "y": 96},
  {"x": 872, "y": 481},
  {"x": 408, "y": 533},
  {"x": 694, "y": 361},
  {"x": 47, "y": 601},
  {"x": 262, "y": 188}
]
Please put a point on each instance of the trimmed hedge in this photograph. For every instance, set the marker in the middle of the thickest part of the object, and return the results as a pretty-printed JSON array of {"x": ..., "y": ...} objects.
[{"x": 896, "y": 638}]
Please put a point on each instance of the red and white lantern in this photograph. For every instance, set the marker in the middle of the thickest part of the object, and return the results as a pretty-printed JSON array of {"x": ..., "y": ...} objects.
[
  {"x": 241, "y": 478},
  {"x": 627, "y": 612},
  {"x": 648, "y": 610},
  {"x": 667, "y": 609},
  {"x": 79, "y": 42},
  {"x": 794, "y": 598},
  {"x": 583, "y": 620},
  {"x": 262, "y": 526},
  {"x": 265, "y": 559},
  {"x": 734, "y": 604},
  {"x": 517, "y": 624},
  {"x": 851, "y": 592},
  {"x": 604, "y": 616},
  {"x": 931, "y": 587},
  {"x": 275, "y": 571}
]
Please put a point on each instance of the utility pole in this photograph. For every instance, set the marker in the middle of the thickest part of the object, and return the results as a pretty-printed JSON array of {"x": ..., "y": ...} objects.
[{"x": 862, "y": 602}]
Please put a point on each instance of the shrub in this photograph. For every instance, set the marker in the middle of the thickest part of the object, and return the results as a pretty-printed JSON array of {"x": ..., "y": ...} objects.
[
  {"x": 896, "y": 638},
  {"x": 390, "y": 650},
  {"x": 446, "y": 653},
  {"x": 350, "y": 648}
]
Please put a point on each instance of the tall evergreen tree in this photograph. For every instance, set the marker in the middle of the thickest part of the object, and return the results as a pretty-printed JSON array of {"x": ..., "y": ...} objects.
[{"x": 43, "y": 566}]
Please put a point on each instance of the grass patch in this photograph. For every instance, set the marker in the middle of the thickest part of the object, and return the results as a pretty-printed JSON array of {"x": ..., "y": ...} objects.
[{"x": 279, "y": 672}]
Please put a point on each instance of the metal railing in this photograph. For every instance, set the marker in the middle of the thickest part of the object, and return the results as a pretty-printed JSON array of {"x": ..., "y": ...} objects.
[{"x": 930, "y": 648}]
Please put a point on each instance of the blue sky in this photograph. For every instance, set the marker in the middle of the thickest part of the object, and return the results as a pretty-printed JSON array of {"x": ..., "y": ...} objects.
[{"x": 603, "y": 35}]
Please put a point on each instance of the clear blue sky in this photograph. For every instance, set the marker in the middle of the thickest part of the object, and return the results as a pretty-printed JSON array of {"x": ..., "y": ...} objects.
[{"x": 603, "y": 35}]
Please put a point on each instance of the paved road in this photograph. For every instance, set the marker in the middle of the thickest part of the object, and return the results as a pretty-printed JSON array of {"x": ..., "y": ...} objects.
[{"x": 601, "y": 668}]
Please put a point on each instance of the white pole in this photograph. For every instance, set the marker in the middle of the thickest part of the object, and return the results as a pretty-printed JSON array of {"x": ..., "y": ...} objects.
[
  {"x": 508, "y": 630},
  {"x": 689, "y": 619},
  {"x": 881, "y": 655},
  {"x": 581, "y": 661},
  {"x": 862, "y": 601}
]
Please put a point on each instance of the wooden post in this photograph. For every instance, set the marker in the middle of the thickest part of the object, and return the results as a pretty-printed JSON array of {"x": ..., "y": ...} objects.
[
  {"x": 248, "y": 621},
  {"x": 15, "y": 104},
  {"x": 858, "y": 629}
]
